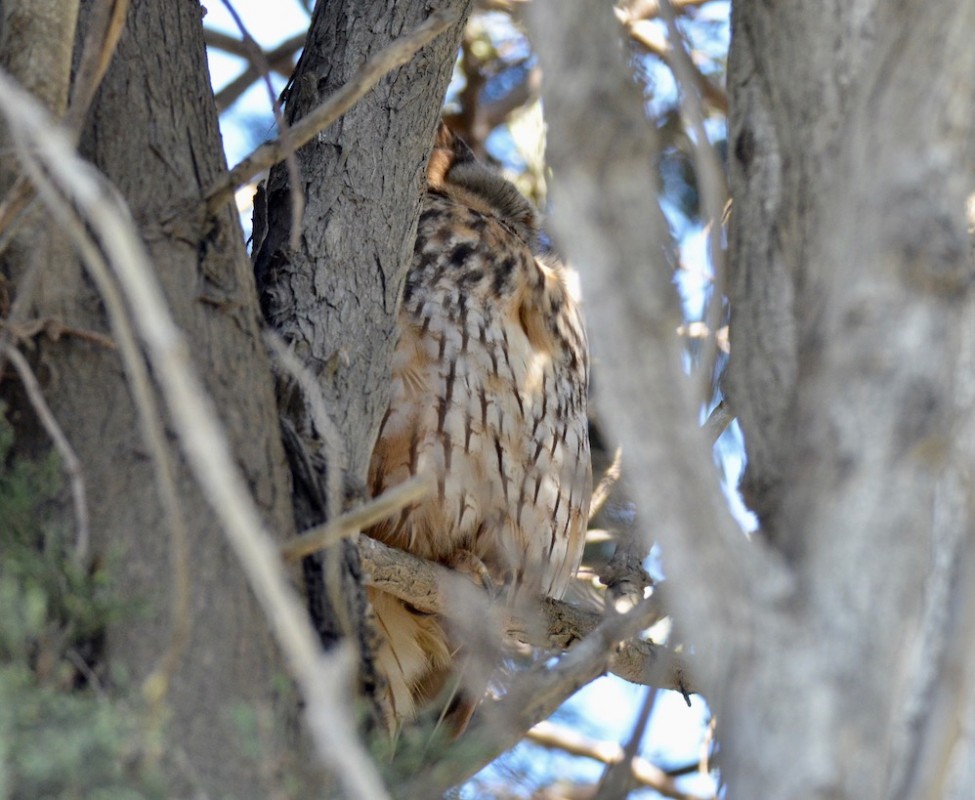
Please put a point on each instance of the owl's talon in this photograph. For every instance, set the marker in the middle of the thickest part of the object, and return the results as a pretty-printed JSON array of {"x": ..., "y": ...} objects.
[{"x": 467, "y": 563}]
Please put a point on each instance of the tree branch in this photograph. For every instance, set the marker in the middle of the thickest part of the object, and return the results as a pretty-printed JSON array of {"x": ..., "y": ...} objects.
[
  {"x": 66, "y": 183},
  {"x": 499, "y": 725},
  {"x": 602, "y": 149},
  {"x": 279, "y": 59},
  {"x": 555, "y": 736},
  {"x": 267, "y": 155},
  {"x": 555, "y": 625}
]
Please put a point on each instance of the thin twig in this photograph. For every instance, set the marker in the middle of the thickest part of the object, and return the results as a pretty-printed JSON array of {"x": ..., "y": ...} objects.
[
  {"x": 257, "y": 57},
  {"x": 240, "y": 47},
  {"x": 718, "y": 420},
  {"x": 554, "y": 736},
  {"x": 267, "y": 155},
  {"x": 616, "y": 778},
  {"x": 552, "y": 624},
  {"x": 351, "y": 523},
  {"x": 713, "y": 189},
  {"x": 64, "y": 180},
  {"x": 336, "y": 455},
  {"x": 501, "y": 724},
  {"x": 105, "y": 26},
  {"x": 605, "y": 486},
  {"x": 647, "y": 36},
  {"x": 280, "y": 59},
  {"x": 72, "y": 465},
  {"x": 54, "y": 329}
]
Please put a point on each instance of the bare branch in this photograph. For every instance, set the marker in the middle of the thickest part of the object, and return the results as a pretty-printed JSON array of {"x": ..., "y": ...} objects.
[
  {"x": 718, "y": 421},
  {"x": 616, "y": 779},
  {"x": 259, "y": 60},
  {"x": 551, "y": 735},
  {"x": 240, "y": 47},
  {"x": 64, "y": 180},
  {"x": 351, "y": 523},
  {"x": 602, "y": 149},
  {"x": 646, "y": 35},
  {"x": 713, "y": 189},
  {"x": 267, "y": 155},
  {"x": 501, "y": 724},
  {"x": 105, "y": 26},
  {"x": 605, "y": 486},
  {"x": 555, "y": 625},
  {"x": 280, "y": 59},
  {"x": 71, "y": 463}
]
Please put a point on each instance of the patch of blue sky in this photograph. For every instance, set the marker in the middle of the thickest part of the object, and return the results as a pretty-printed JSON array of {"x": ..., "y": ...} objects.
[
  {"x": 694, "y": 279},
  {"x": 268, "y": 23},
  {"x": 729, "y": 455},
  {"x": 606, "y": 711},
  {"x": 250, "y": 121}
]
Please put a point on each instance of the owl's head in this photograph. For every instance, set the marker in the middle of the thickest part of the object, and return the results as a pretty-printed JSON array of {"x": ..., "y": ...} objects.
[{"x": 454, "y": 170}]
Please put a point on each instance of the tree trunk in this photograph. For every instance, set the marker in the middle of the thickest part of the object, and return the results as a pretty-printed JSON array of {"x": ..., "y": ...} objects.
[
  {"x": 153, "y": 131},
  {"x": 852, "y": 347},
  {"x": 335, "y": 296},
  {"x": 836, "y": 647}
]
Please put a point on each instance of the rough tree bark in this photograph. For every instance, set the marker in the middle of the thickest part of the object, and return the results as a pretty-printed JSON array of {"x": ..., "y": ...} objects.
[
  {"x": 334, "y": 296},
  {"x": 852, "y": 161},
  {"x": 153, "y": 131},
  {"x": 836, "y": 647}
]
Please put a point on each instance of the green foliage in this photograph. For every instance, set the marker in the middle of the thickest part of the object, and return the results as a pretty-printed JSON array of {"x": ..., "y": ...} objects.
[
  {"x": 55, "y": 744},
  {"x": 60, "y": 736}
]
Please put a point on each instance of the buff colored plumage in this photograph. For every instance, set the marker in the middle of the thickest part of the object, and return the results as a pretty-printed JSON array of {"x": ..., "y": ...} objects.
[{"x": 488, "y": 395}]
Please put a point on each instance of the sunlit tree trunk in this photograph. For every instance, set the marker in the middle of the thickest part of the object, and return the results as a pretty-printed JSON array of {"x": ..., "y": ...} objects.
[
  {"x": 852, "y": 338},
  {"x": 835, "y": 648}
]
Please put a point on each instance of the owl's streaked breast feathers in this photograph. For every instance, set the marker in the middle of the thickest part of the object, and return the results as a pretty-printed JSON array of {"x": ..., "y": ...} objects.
[{"x": 488, "y": 395}]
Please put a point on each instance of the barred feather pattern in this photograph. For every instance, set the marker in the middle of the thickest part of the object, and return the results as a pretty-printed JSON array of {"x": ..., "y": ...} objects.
[{"x": 488, "y": 395}]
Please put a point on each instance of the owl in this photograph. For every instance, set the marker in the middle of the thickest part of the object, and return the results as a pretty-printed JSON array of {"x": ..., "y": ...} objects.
[{"x": 488, "y": 396}]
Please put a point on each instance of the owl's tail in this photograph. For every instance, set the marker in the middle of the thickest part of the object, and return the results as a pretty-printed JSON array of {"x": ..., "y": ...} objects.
[{"x": 421, "y": 666}]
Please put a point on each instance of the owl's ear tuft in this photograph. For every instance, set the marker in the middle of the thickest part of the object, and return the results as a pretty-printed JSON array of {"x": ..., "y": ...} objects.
[
  {"x": 454, "y": 170},
  {"x": 448, "y": 151}
]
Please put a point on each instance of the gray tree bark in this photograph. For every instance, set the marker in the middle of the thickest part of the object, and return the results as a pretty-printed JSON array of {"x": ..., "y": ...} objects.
[
  {"x": 334, "y": 296},
  {"x": 153, "y": 131},
  {"x": 835, "y": 647},
  {"x": 852, "y": 350}
]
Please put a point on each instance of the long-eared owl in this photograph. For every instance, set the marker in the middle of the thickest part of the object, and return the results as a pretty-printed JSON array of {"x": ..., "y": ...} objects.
[{"x": 488, "y": 396}]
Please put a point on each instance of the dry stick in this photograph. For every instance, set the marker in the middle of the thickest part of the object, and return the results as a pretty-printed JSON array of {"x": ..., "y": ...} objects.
[
  {"x": 336, "y": 456},
  {"x": 304, "y": 130},
  {"x": 63, "y": 178},
  {"x": 276, "y": 58},
  {"x": 72, "y": 465},
  {"x": 257, "y": 58},
  {"x": 616, "y": 778},
  {"x": 557, "y": 626},
  {"x": 241, "y": 47},
  {"x": 502, "y": 724},
  {"x": 107, "y": 22},
  {"x": 351, "y": 523},
  {"x": 718, "y": 420},
  {"x": 605, "y": 487},
  {"x": 557, "y": 737},
  {"x": 646, "y": 35},
  {"x": 712, "y": 185}
]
